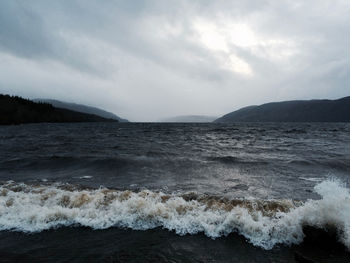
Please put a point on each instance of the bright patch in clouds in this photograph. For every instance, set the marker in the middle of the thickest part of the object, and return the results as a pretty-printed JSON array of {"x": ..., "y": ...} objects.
[
  {"x": 239, "y": 65},
  {"x": 211, "y": 36},
  {"x": 241, "y": 35},
  {"x": 219, "y": 38},
  {"x": 224, "y": 37}
]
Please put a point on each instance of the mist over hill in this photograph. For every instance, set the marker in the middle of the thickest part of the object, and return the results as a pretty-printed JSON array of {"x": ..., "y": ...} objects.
[
  {"x": 293, "y": 111},
  {"x": 16, "y": 110},
  {"x": 82, "y": 108}
]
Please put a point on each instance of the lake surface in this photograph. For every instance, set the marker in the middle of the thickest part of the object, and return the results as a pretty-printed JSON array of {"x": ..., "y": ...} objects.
[{"x": 147, "y": 192}]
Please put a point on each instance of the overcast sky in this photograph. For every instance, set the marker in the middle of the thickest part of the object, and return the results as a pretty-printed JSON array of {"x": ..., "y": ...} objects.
[{"x": 147, "y": 60}]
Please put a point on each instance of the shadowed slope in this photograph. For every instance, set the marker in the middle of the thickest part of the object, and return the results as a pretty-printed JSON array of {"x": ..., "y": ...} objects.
[
  {"x": 82, "y": 108},
  {"x": 293, "y": 111}
]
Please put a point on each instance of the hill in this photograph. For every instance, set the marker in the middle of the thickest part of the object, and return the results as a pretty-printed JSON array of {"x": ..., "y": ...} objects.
[
  {"x": 16, "y": 110},
  {"x": 190, "y": 118},
  {"x": 293, "y": 111},
  {"x": 82, "y": 108}
]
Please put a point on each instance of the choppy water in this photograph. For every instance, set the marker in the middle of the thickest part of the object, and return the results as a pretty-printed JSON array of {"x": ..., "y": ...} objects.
[{"x": 263, "y": 181}]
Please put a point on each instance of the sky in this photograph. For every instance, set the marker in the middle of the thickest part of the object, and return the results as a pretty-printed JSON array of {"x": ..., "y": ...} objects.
[{"x": 147, "y": 60}]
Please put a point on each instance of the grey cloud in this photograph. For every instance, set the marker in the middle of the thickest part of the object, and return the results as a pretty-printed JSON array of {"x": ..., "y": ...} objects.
[
  {"x": 22, "y": 31},
  {"x": 145, "y": 60}
]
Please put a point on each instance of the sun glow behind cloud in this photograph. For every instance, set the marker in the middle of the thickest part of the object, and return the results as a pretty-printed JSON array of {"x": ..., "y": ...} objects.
[
  {"x": 239, "y": 65},
  {"x": 220, "y": 39},
  {"x": 224, "y": 38},
  {"x": 211, "y": 36}
]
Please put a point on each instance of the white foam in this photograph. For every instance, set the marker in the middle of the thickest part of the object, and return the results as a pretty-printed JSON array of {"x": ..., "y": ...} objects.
[
  {"x": 311, "y": 179},
  {"x": 36, "y": 208},
  {"x": 85, "y": 177}
]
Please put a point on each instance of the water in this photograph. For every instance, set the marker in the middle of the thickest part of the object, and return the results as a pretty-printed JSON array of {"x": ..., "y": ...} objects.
[{"x": 173, "y": 186}]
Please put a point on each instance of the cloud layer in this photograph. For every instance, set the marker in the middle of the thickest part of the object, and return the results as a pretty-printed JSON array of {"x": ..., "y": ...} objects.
[{"x": 147, "y": 60}]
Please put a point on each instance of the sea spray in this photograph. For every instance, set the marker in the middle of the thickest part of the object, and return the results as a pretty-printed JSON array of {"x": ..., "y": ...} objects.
[{"x": 265, "y": 223}]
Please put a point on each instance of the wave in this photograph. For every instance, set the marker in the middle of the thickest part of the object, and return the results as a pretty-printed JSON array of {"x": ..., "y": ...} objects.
[
  {"x": 339, "y": 164},
  {"x": 234, "y": 160},
  {"x": 57, "y": 161},
  {"x": 296, "y": 131},
  {"x": 264, "y": 223}
]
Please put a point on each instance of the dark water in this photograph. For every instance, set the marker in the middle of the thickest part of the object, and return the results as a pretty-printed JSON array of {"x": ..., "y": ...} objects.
[
  {"x": 240, "y": 160},
  {"x": 184, "y": 189}
]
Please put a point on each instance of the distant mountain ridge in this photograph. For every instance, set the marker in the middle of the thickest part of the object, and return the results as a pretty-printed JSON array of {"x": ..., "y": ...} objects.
[
  {"x": 293, "y": 111},
  {"x": 190, "y": 118},
  {"x": 82, "y": 108},
  {"x": 16, "y": 110}
]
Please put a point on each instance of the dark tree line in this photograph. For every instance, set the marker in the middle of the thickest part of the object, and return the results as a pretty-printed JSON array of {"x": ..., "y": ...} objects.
[{"x": 16, "y": 110}]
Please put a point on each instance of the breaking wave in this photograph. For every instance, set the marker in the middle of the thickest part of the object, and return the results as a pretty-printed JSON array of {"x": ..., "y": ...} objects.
[{"x": 264, "y": 223}]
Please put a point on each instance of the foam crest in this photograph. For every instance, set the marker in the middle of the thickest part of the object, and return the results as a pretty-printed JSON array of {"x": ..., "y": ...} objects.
[{"x": 265, "y": 223}]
